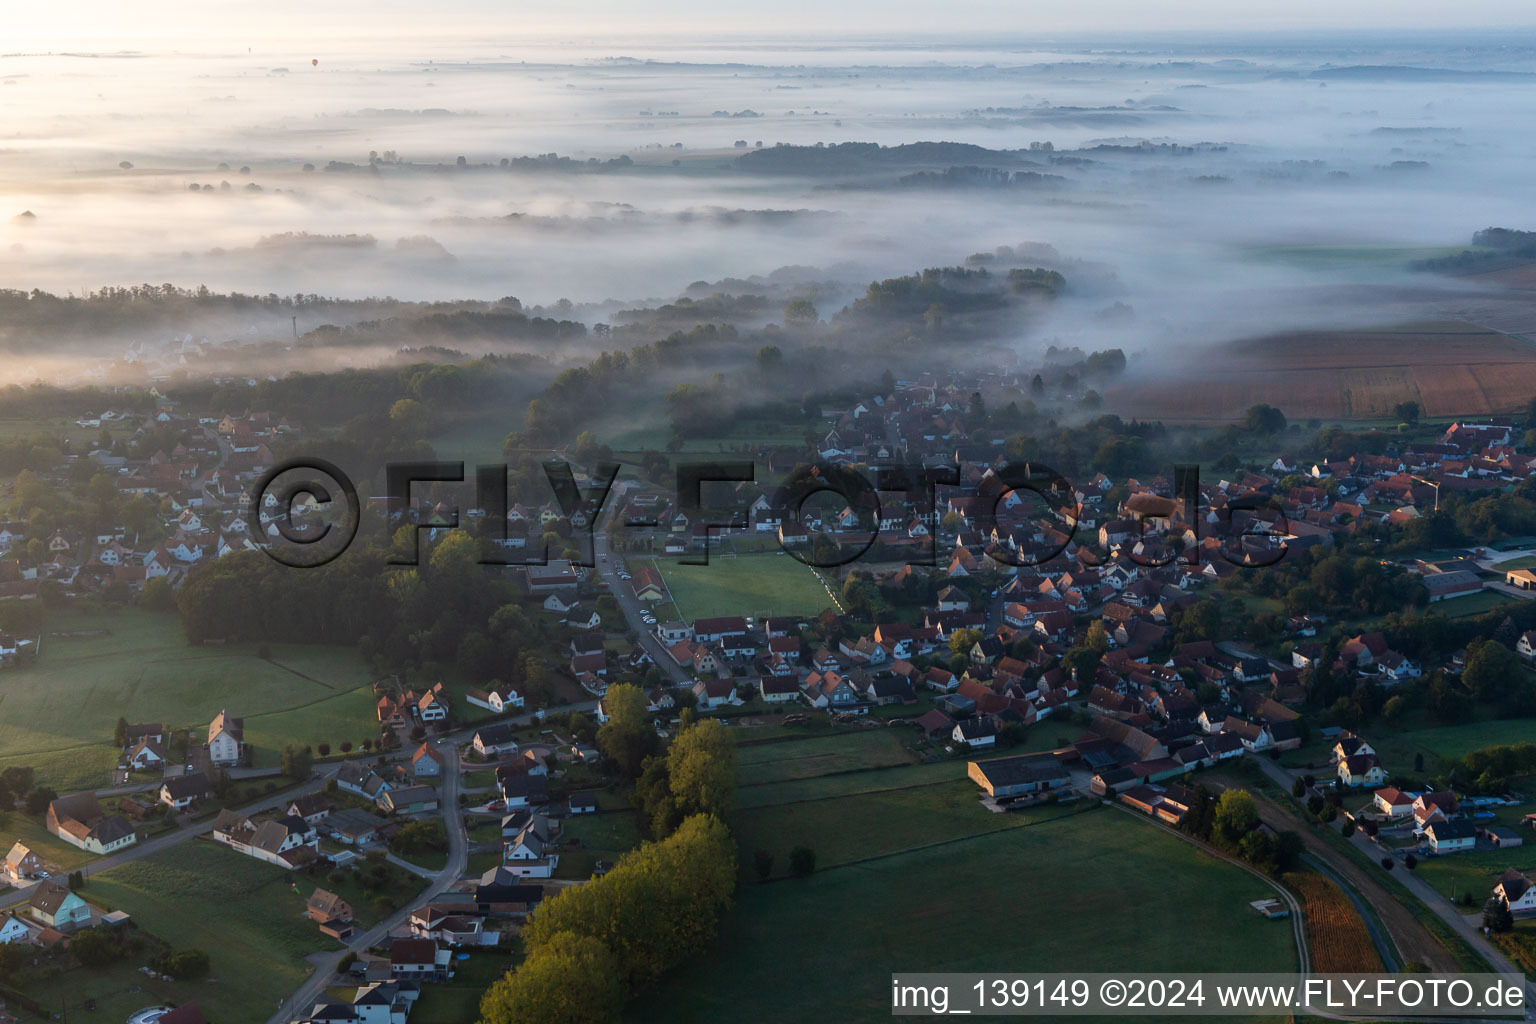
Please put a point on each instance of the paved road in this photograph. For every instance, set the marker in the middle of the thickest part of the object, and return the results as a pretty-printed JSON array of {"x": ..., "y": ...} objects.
[
  {"x": 624, "y": 594},
  {"x": 314, "y": 988}
]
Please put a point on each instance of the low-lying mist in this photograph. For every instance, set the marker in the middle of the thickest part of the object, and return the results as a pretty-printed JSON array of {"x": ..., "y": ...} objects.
[{"x": 1202, "y": 193}]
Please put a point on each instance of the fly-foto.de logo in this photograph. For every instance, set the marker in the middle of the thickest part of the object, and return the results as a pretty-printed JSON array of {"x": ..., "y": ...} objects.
[{"x": 306, "y": 512}]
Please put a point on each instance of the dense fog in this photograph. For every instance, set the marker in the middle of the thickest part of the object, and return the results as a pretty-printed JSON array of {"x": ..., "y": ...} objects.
[{"x": 1203, "y": 183}]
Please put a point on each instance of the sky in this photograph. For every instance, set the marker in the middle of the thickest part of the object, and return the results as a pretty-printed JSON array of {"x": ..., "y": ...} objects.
[{"x": 227, "y": 24}]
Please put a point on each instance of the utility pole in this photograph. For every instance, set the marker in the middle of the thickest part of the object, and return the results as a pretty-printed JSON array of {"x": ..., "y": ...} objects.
[{"x": 295, "y": 326}]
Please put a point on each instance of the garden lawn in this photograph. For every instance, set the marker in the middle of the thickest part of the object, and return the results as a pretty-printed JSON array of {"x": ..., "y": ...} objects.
[
  {"x": 458, "y": 1001},
  {"x": 589, "y": 838}
]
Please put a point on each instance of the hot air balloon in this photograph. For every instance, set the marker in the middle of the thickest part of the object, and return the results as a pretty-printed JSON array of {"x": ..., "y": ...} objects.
[{"x": 314, "y": 63}]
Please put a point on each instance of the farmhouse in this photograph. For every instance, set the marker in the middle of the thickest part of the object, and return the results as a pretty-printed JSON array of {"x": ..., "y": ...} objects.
[
  {"x": 500, "y": 700},
  {"x": 79, "y": 821},
  {"x": 1024, "y": 775}
]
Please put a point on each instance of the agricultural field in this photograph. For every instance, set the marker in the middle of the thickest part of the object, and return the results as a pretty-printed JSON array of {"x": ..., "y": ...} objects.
[
  {"x": 906, "y": 776},
  {"x": 781, "y": 761},
  {"x": 1450, "y": 368},
  {"x": 58, "y": 713},
  {"x": 771, "y": 584},
  {"x": 180, "y": 896},
  {"x": 850, "y": 829},
  {"x": 974, "y": 904},
  {"x": 1336, "y": 936}
]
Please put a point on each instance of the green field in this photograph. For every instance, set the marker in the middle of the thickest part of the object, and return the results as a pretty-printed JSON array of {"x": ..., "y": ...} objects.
[
  {"x": 58, "y": 713},
  {"x": 1480, "y": 603},
  {"x": 1093, "y": 891},
  {"x": 743, "y": 585},
  {"x": 761, "y": 763},
  {"x": 240, "y": 911},
  {"x": 904, "y": 776},
  {"x": 844, "y": 830},
  {"x": 1397, "y": 750}
]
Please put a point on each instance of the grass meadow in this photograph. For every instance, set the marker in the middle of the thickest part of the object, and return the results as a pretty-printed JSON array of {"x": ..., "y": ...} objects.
[
  {"x": 767, "y": 584},
  {"x": 240, "y": 911},
  {"x": 1081, "y": 892},
  {"x": 58, "y": 713}
]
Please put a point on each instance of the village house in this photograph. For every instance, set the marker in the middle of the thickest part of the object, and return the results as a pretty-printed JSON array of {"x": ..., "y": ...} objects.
[
  {"x": 287, "y": 842},
  {"x": 55, "y": 906},
  {"x": 527, "y": 853},
  {"x": 1361, "y": 770},
  {"x": 78, "y": 820},
  {"x": 1517, "y": 890},
  {"x": 493, "y": 740},
  {"x": 1394, "y": 803},
  {"x": 426, "y": 763},
  {"x": 226, "y": 740},
  {"x": 1450, "y": 836},
  {"x": 20, "y": 865},
  {"x": 182, "y": 791}
]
